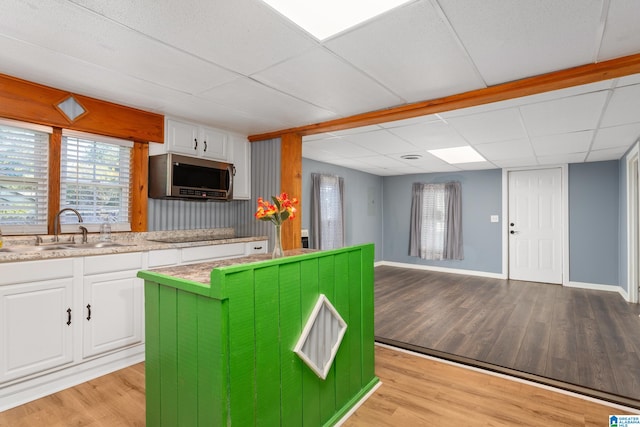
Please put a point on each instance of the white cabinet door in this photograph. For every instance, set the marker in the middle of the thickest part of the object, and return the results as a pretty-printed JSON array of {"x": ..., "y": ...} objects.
[
  {"x": 182, "y": 137},
  {"x": 36, "y": 324},
  {"x": 242, "y": 163},
  {"x": 212, "y": 144},
  {"x": 112, "y": 312}
]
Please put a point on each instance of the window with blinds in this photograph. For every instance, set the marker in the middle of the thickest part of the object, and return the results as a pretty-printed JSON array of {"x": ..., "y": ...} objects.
[
  {"x": 94, "y": 179},
  {"x": 434, "y": 214},
  {"x": 23, "y": 177}
]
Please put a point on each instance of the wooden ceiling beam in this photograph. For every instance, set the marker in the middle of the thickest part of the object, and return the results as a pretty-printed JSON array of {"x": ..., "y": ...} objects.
[{"x": 584, "y": 74}]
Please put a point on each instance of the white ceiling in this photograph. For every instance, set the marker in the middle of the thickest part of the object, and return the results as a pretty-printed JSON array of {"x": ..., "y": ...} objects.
[{"x": 239, "y": 65}]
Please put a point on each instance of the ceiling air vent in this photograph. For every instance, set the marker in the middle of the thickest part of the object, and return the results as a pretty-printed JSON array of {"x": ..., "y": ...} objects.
[{"x": 411, "y": 156}]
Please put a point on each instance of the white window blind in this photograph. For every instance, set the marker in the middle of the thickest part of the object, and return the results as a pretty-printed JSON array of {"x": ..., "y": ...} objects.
[
  {"x": 327, "y": 217},
  {"x": 24, "y": 182},
  {"x": 434, "y": 214},
  {"x": 94, "y": 180}
]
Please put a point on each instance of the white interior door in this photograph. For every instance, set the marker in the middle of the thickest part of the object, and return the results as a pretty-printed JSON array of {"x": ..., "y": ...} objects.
[
  {"x": 633, "y": 222},
  {"x": 535, "y": 225}
]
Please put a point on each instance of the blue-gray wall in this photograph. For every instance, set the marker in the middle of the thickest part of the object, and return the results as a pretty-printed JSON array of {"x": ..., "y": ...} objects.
[
  {"x": 594, "y": 219},
  {"x": 362, "y": 203},
  {"x": 481, "y": 198}
]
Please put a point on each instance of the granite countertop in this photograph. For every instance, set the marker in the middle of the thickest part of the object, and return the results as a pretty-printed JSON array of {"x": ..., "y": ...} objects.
[
  {"x": 130, "y": 241},
  {"x": 201, "y": 273}
]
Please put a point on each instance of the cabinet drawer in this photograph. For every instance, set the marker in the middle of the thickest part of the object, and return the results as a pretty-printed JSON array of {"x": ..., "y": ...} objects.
[
  {"x": 163, "y": 257},
  {"x": 112, "y": 263},
  {"x": 259, "y": 247},
  {"x": 203, "y": 253},
  {"x": 34, "y": 271}
]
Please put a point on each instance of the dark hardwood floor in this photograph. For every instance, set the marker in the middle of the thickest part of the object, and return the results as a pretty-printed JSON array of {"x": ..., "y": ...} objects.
[{"x": 584, "y": 340}]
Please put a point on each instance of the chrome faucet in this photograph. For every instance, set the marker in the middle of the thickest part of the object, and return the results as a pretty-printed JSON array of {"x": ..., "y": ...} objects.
[{"x": 56, "y": 221}]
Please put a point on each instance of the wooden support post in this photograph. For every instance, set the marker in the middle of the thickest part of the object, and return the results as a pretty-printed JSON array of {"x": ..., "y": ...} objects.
[{"x": 291, "y": 183}]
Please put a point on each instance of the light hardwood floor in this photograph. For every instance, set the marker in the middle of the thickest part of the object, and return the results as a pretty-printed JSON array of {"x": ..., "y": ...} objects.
[
  {"x": 583, "y": 339},
  {"x": 415, "y": 391}
]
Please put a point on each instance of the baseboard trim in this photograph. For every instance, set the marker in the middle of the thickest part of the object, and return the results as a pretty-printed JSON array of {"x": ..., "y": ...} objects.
[
  {"x": 442, "y": 269},
  {"x": 598, "y": 287}
]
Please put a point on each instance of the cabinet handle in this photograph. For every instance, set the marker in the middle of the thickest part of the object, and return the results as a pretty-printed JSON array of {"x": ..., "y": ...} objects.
[
  {"x": 195, "y": 140},
  {"x": 257, "y": 248},
  {"x": 68, "y": 316},
  {"x": 89, "y": 311},
  {"x": 205, "y": 145}
]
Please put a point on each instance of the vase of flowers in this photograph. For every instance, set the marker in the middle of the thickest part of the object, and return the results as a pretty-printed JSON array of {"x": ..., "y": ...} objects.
[{"x": 277, "y": 210}]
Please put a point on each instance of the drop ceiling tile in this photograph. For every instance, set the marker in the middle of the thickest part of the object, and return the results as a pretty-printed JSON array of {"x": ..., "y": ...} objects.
[
  {"x": 256, "y": 99},
  {"x": 624, "y": 106},
  {"x": 382, "y": 162},
  {"x": 490, "y": 126},
  {"x": 607, "y": 154},
  {"x": 632, "y": 79},
  {"x": 94, "y": 39},
  {"x": 340, "y": 148},
  {"x": 505, "y": 150},
  {"x": 621, "y": 34},
  {"x": 412, "y": 121},
  {"x": 476, "y": 166},
  {"x": 318, "y": 154},
  {"x": 428, "y": 62},
  {"x": 360, "y": 129},
  {"x": 245, "y": 36},
  {"x": 380, "y": 141},
  {"x": 351, "y": 163},
  {"x": 427, "y": 161},
  {"x": 430, "y": 136},
  {"x": 322, "y": 78},
  {"x": 518, "y": 162},
  {"x": 576, "y": 113},
  {"x": 562, "y": 159},
  {"x": 568, "y": 143},
  {"x": 617, "y": 136},
  {"x": 512, "y": 40}
]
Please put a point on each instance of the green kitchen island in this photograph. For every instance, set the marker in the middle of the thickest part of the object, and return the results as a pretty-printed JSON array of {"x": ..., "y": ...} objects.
[{"x": 220, "y": 339}]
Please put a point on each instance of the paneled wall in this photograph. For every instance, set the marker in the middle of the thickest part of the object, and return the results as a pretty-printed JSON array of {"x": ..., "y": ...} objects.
[
  {"x": 187, "y": 215},
  {"x": 265, "y": 182}
]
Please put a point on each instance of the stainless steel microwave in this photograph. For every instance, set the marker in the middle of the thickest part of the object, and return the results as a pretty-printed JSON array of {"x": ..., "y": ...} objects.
[{"x": 184, "y": 177}]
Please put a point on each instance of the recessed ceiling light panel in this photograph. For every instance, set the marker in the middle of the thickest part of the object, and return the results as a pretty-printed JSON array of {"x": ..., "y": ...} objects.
[
  {"x": 464, "y": 154},
  {"x": 324, "y": 18}
]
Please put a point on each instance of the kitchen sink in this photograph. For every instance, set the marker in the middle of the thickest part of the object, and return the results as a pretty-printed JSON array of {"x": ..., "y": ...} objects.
[{"x": 60, "y": 247}]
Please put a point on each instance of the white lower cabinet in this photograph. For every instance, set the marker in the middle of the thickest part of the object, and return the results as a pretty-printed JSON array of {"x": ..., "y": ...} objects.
[
  {"x": 257, "y": 247},
  {"x": 113, "y": 312},
  {"x": 36, "y": 327}
]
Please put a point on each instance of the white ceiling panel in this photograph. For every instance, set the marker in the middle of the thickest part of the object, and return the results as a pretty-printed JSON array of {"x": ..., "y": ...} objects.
[
  {"x": 490, "y": 126},
  {"x": 506, "y": 149},
  {"x": 430, "y": 135},
  {"x": 607, "y": 154},
  {"x": 380, "y": 141},
  {"x": 568, "y": 143},
  {"x": 572, "y": 114},
  {"x": 341, "y": 148},
  {"x": 385, "y": 162},
  {"x": 516, "y": 162},
  {"x": 559, "y": 159},
  {"x": 104, "y": 43},
  {"x": 246, "y": 95},
  {"x": 624, "y": 106},
  {"x": 245, "y": 36},
  {"x": 476, "y": 166},
  {"x": 422, "y": 57},
  {"x": 617, "y": 136},
  {"x": 622, "y": 32},
  {"x": 322, "y": 78},
  {"x": 515, "y": 39}
]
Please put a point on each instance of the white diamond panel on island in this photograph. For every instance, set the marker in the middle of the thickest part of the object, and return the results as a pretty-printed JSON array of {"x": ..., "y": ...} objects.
[{"x": 321, "y": 337}]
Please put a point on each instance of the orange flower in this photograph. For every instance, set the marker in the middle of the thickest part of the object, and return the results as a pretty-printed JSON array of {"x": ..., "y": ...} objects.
[{"x": 278, "y": 210}]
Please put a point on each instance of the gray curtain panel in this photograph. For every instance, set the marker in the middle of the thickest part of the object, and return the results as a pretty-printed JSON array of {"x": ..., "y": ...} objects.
[
  {"x": 453, "y": 235},
  {"x": 450, "y": 247},
  {"x": 415, "y": 224},
  {"x": 327, "y": 211}
]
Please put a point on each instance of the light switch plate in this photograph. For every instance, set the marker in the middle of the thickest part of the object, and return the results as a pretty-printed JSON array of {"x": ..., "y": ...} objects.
[{"x": 495, "y": 218}]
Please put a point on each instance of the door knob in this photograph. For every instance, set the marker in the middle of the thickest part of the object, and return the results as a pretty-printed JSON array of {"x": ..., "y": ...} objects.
[{"x": 512, "y": 224}]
